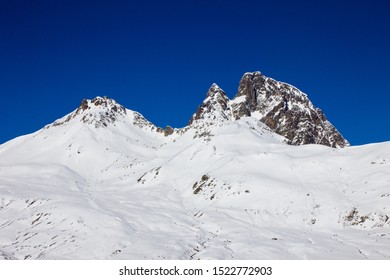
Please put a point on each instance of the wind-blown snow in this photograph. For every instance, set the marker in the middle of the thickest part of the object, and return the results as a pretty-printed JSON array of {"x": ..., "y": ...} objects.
[{"x": 213, "y": 191}]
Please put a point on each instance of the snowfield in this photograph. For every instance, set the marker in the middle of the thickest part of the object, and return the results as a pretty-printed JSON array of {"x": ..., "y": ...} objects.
[{"x": 114, "y": 187}]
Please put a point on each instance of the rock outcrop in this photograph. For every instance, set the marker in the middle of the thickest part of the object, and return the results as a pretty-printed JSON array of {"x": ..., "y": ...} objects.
[
  {"x": 286, "y": 110},
  {"x": 99, "y": 111},
  {"x": 215, "y": 108},
  {"x": 283, "y": 108}
]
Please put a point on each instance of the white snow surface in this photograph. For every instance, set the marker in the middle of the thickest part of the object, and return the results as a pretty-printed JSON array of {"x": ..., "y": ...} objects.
[{"x": 213, "y": 191}]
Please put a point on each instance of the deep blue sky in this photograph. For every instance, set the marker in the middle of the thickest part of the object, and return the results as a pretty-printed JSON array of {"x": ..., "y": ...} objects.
[{"x": 160, "y": 57}]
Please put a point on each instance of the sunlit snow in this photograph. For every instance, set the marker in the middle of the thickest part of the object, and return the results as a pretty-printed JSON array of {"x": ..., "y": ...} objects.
[{"x": 218, "y": 191}]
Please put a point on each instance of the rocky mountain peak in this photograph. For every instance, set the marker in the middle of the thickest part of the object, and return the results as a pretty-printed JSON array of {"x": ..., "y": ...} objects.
[
  {"x": 214, "y": 108},
  {"x": 99, "y": 111},
  {"x": 214, "y": 87},
  {"x": 102, "y": 104},
  {"x": 282, "y": 107},
  {"x": 248, "y": 87},
  {"x": 215, "y": 92},
  {"x": 285, "y": 109}
]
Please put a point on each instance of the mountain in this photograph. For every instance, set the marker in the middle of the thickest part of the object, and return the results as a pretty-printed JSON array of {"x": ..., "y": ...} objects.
[
  {"x": 286, "y": 110},
  {"x": 105, "y": 183},
  {"x": 215, "y": 108},
  {"x": 282, "y": 107}
]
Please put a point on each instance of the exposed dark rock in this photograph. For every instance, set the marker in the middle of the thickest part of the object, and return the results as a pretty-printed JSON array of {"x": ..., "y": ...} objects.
[
  {"x": 214, "y": 108},
  {"x": 168, "y": 130},
  {"x": 198, "y": 186},
  {"x": 284, "y": 109},
  {"x": 84, "y": 105},
  {"x": 99, "y": 111}
]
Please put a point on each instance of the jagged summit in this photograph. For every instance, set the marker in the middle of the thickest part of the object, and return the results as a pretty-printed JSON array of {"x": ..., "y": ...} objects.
[
  {"x": 214, "y": 108},
  {"x": 214, "y": 85},
  {"x": 99, "y": 111},
  {"x": 103, "y": 103},
  {"x": 257, "y": 92},
  {"x": 286, "y": 110},
  {"x": 282, "y": 107}
]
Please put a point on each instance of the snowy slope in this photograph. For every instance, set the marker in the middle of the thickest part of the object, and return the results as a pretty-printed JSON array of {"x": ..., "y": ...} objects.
[{"x": 104, "y": 183}]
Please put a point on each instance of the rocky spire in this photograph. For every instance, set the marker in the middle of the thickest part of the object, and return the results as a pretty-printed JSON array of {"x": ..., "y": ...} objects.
[
  {"x": 286, "y": 110},
  {"x": 248, "y": 87},
  {"x": 214, "y": 108}
]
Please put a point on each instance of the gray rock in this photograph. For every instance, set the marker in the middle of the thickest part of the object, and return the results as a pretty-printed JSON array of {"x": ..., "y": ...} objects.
[
  {"x": 286, "y": 110},
  {"x": 283, "y": 108}
]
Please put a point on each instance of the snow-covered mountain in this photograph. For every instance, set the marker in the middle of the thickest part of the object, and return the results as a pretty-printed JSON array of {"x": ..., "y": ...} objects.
[
  {"x": 282, "y": 107},
  {"x": 105, "y": 183}
]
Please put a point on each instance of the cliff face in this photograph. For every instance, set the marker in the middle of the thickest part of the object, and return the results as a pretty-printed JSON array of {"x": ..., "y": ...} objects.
[
  {"x": 215, "y": 108},
  {"x": 283, "y": 108}
]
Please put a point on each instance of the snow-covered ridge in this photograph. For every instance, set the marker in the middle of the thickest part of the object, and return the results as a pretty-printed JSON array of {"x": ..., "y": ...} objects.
[
  {"x": 283, "y": 108},
  {"x": 215, "y": 108},
  {"x": 99, "y": 111}
]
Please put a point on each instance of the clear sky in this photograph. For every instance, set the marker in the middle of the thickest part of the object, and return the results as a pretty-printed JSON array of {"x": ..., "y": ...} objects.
[{"x": 160, "y": 57}]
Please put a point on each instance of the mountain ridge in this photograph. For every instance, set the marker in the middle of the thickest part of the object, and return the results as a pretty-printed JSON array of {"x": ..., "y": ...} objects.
[
  {"x": 220, "y": 188},
  {"x": 282, "y": 107},
  {"x": 285, "y": 109}
]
